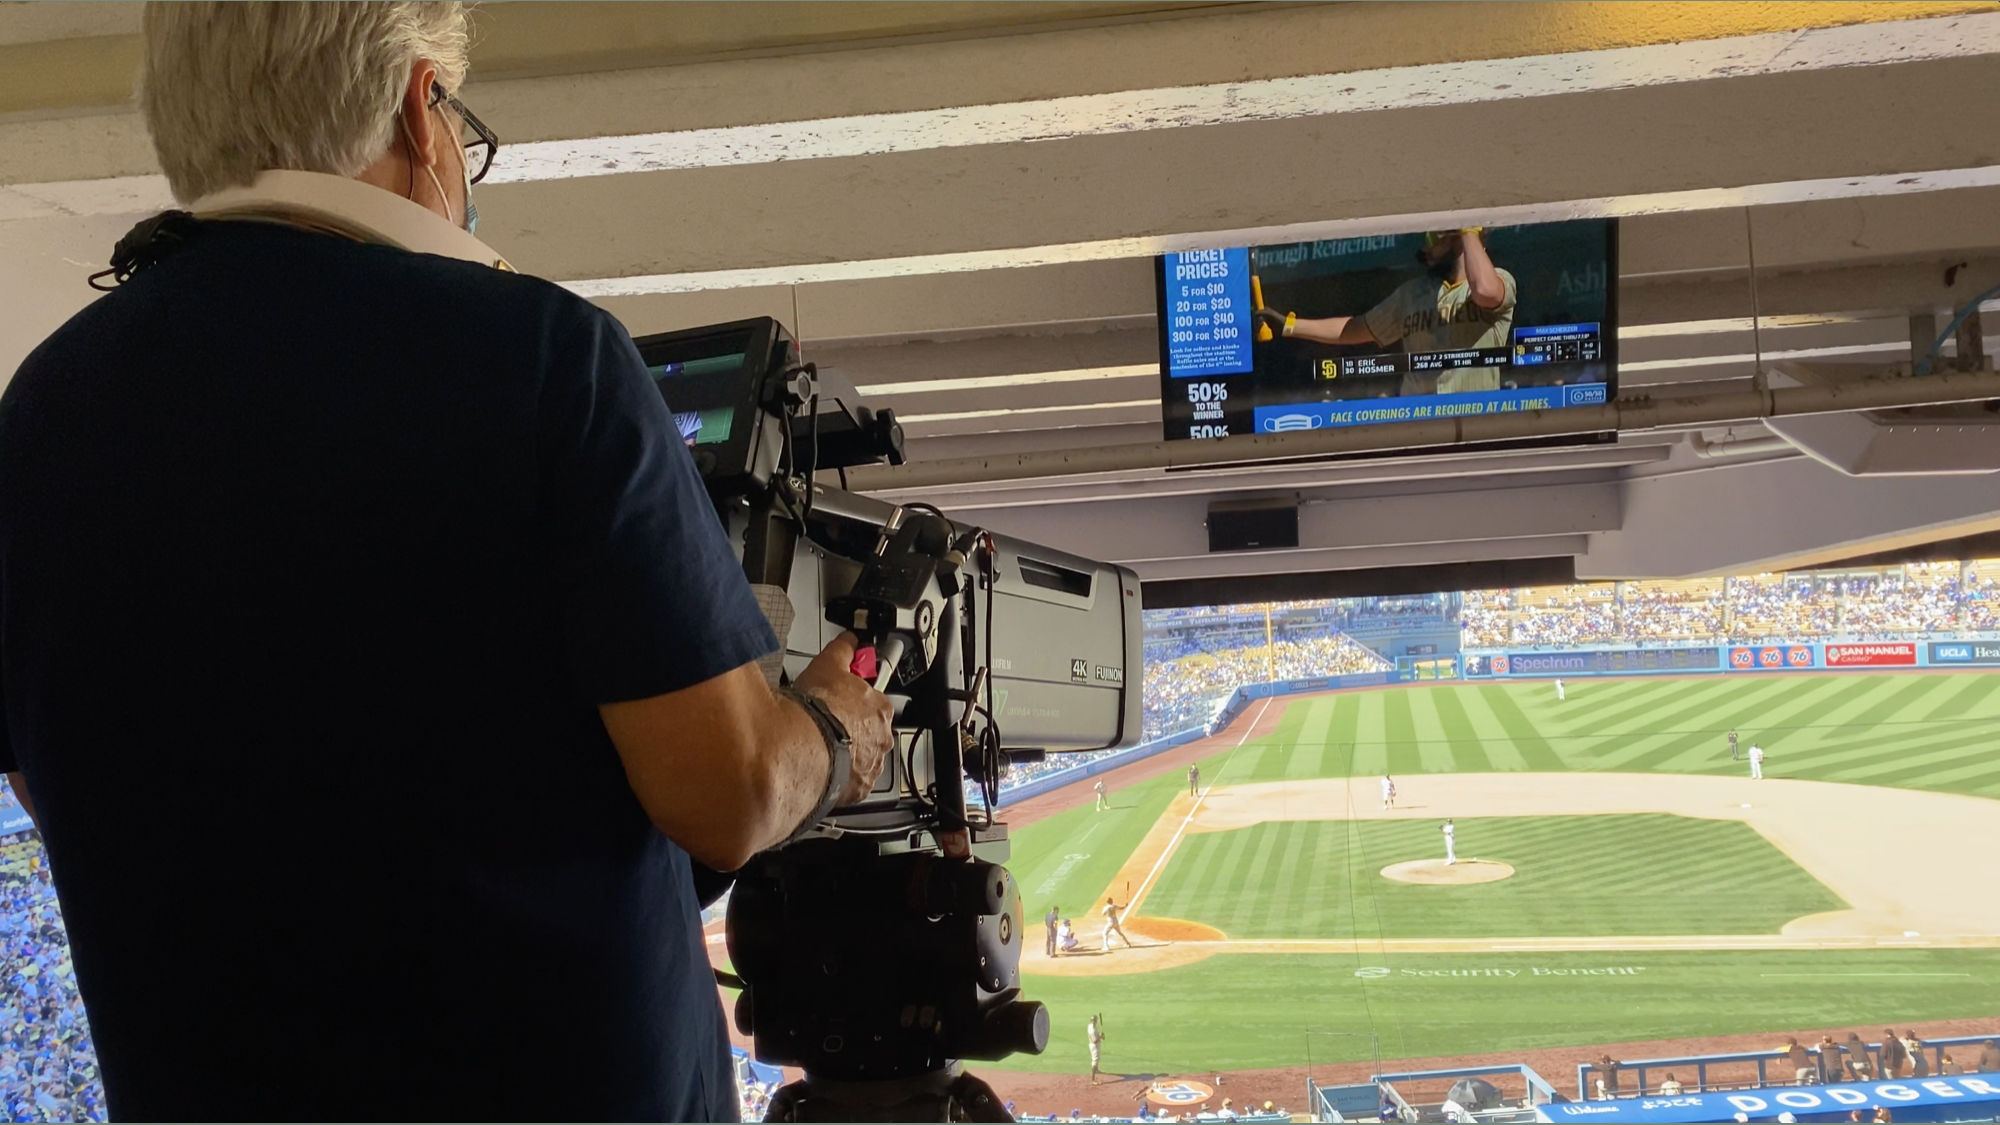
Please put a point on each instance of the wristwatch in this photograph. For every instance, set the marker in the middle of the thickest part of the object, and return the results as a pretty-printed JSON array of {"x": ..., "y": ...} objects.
[{"x": 835, "y": 733}]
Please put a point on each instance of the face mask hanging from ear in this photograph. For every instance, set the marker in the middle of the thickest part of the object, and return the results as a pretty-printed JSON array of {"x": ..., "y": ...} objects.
[{"x": 471, "y": 212}]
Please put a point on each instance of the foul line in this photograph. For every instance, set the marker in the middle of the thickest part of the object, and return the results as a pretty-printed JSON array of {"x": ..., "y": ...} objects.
[{"x": 1147, "y": 883}]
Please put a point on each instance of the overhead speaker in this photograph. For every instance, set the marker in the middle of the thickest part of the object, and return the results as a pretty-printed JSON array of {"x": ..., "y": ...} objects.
[{"x": 1262, "y": 526}]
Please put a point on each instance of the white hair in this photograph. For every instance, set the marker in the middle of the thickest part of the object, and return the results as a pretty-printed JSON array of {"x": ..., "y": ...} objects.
[{"x": 230, "y": 90}]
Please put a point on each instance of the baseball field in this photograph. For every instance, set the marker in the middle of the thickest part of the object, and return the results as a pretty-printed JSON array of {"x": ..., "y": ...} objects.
[{"x": 1620, "y": 880}]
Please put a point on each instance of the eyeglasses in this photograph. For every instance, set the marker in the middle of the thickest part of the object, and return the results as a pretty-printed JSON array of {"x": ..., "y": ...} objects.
[{"x": 479, "y": 151}]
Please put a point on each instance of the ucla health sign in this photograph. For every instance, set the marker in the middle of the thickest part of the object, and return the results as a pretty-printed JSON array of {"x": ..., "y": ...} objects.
[
  {"x": 1968, "y": 1098},
  {"x": 1947, "y": 653}
]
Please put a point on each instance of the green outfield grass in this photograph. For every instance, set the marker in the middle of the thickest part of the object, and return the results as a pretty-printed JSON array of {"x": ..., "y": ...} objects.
[
  {"x": 1235, "y": 1011},
  {"x": 1925, "y": 731},
  {"x": 1574, "y": 876},
  {"x": 1914, "y": 731}
]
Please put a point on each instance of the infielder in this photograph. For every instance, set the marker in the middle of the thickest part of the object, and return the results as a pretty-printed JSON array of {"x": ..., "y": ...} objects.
[
  {"x": 1388, "y": 791},
  {"x": 1732, "y": 744},
  {"x": 1102, "y": 802},
  {"x": 1094, "y": 1032},
  {"x": 1194, "y": 781},
  {"x": 1450, "y": 844},
  {"x": 1051, "y": 919},
  {"x": 1112, "y": 911},
  {"x": 1756, "y": 762},
  {"x": 1465, "y": 302}
]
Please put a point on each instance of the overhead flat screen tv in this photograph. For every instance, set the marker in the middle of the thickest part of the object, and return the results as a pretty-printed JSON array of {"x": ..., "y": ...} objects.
[{"x": 1389, "y": 328}]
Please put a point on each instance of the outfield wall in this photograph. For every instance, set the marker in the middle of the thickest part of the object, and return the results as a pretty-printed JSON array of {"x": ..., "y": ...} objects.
[
  {"x": 1684, "y": 659},
  {"x": 1050, "y": 782}
]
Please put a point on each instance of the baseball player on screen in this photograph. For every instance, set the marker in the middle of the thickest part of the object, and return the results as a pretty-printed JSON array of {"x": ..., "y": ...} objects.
[{"x": 1465, "y": 302}]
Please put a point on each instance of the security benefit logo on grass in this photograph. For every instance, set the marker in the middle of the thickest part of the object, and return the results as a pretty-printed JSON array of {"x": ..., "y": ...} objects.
[{"x": 1380, "y": 972}]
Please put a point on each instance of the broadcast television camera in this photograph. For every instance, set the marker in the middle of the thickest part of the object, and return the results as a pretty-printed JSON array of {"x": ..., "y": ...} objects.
[{"x": 883, "y": 948}]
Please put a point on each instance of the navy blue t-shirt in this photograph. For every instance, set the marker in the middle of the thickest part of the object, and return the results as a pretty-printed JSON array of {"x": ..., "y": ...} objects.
[{"x": 316, "y": 558}]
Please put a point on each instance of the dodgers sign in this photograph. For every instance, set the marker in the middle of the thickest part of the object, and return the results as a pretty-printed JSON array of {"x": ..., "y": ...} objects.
[{"x": 1970, "y": 1098}]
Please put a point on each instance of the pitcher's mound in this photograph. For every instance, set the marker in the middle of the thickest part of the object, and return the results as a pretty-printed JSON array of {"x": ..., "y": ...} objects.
[{"x": 1438, "y": 873}]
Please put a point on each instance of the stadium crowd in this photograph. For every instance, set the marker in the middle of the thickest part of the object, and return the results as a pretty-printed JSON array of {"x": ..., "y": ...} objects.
[
  {"x": 48, "y": 1069},
  {"x": 1884, "y": 604},
  {"x": 1186, "y": 692}
]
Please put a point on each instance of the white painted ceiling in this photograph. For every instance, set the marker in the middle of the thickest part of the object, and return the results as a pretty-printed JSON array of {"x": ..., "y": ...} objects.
[{"x": 954, "y": 205}]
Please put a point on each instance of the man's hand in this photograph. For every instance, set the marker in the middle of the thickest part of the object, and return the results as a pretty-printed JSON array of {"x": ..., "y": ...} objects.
[
  {"x": 1275, "y": 319},
  {"x": 865, "y": 712},
  {"x": 728, "y": 767}
]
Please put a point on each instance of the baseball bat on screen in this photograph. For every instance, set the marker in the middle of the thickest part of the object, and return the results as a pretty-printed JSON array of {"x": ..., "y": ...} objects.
[{"x": 1257, "y": 303}]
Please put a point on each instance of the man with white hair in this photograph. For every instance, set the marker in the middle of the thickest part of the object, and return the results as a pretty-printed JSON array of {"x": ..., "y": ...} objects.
[{"x": 367, "y": 583}]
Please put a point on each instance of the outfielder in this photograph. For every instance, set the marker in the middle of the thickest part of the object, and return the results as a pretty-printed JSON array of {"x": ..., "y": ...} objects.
[
  {"x": 1194, "y": 780},
  {"x": 1560, "y": 695},
  {"x": 1465, "y": 302},
  {"x": 1102, "y": 802},
  {"x": 1388, "y": 791},
  {"x": 1450, "y": 844}
]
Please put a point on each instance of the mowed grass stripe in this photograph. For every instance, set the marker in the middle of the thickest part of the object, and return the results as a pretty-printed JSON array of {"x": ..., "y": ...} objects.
[
  {"x": 1527, "y": 740},
  {"x": 1249, "y": 885},
  {"x": 1591, "y": 875},
  {"x": 1791, "y": 695},
  {"x": 1302, "y": 759},
  {"x": 1195, "y": 866},
  {"x": 1468, "y": 750},
  {"x": 1293, "y": 842},
  {"x": 1966, "y": 698},
  {"x": 1914, "y": 763},
  {"x": 1606, "y": 750},
  {"x": 1855, "y": 763},
  {"x": 1642, "y": 711},
  {"x": 1910, "y": 694},
  {"x": 1811, "y": 701},
  {"x": 1371, "y": 752},
  {"x": 1862, "y": 740},
  {"x": 1337, "y": 756},
  {"x": 1400, "y": 733},
  {"x": 1607, "y": 698},
  {"x": 1935, "y": 770},
  {"x": 1856, "y": 703},
  {"x": 1435, "y": 751}
]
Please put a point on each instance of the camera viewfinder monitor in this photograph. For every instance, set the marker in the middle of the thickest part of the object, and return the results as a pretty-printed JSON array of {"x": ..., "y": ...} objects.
[
  {"x": 713, "y": 380},
  {"x": 1389, "y": 328}
]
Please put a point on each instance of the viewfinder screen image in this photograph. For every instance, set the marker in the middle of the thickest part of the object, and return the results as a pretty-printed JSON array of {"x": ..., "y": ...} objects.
[
  {"x": 702, "y": 427},
  {"x": 1388, "y": 328}
]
